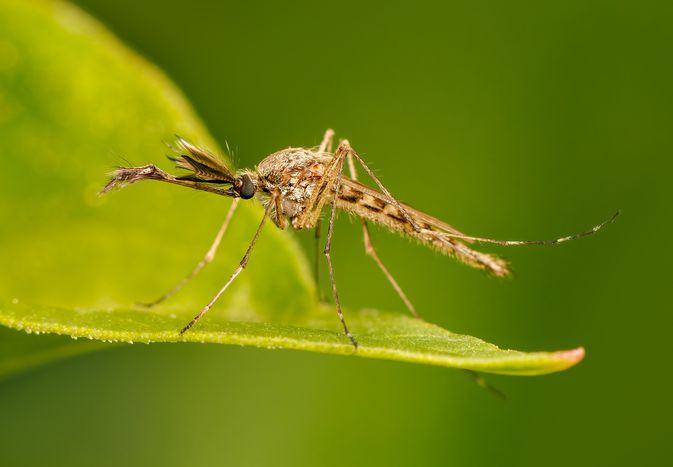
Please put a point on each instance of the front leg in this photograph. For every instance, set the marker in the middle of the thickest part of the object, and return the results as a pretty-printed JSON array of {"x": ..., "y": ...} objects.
[
  {"x": 321, "y": 193},
  {"x": 241, "y": 265},
  {"x": 279, "y": 219},
  {"x": 328, "y": 247}
]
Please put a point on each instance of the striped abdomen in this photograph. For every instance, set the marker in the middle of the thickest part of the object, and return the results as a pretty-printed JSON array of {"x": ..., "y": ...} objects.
[{"x": 374, "y": 206}]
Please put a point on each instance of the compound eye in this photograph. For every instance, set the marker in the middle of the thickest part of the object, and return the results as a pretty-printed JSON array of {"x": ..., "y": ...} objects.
[{"x": 248, "y": 187}]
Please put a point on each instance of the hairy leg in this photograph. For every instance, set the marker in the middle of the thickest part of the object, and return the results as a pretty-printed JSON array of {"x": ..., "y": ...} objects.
[
  {"x": 325, "y": 147},
  {"x": 321, "y": 193},
  {"x": 371, "y": 251},
  {"x": 459, "y": 236},
  {"x": 326, "y": 144},
  {"x": 339, "y": 155},
  {"x": 235, "y": 274},
  {"x": 279, "y": 220},
  {"x": 316, "y": 264},
  {"x": 385, "y": 191}
]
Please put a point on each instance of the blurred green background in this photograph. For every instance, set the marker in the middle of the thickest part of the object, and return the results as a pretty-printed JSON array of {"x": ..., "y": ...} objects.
[{"x": 512, "y": 120}]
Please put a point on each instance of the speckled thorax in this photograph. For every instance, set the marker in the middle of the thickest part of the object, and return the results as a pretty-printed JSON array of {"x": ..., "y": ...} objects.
[{"x": 295, "y": 172}]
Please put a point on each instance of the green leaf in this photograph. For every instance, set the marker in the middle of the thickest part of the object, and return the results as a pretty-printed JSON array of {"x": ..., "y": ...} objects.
[
  {"x": 380, "y": 335},
  {"x": 74, "y": 102}
]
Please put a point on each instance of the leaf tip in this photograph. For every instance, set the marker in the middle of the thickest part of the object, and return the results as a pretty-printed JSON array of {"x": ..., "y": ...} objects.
[{"x": 571, "y": 357}]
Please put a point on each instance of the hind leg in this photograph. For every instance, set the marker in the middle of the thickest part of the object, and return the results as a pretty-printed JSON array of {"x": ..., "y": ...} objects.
[{"x": 371, "y": 251}]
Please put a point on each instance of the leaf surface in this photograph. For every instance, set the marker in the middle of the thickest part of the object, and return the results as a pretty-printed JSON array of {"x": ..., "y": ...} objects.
[{"x": 380, "y": 335}]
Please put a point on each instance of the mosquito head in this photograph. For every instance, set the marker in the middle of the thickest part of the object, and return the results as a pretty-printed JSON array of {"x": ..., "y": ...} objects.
[{"x": 244, "y": 186}]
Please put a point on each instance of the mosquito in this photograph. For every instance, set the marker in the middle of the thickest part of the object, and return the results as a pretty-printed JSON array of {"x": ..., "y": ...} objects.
[{"x": 295, "y": 185}]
